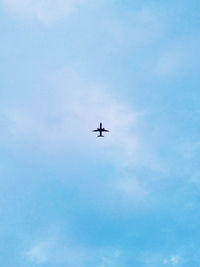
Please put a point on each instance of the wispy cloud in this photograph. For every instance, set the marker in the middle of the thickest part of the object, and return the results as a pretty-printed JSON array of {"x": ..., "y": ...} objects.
[
  {"x": 60, "y": 122},
  {"x": 66, "y": 114},
  {"x": 174, "y": 260},
  {"x": 170, "y": 61},
  {"x": 40, "y": 253},
  {"x": 160, "y": 259},
  {"x": 71, "y": 254},
  {"x": 130, "y": 190},
  {"x": 45, "y": 11},
  {"x": 51, "y": 251}
]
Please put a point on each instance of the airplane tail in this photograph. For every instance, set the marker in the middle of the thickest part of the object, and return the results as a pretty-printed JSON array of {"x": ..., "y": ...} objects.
[{"x": 100, "y": 135}]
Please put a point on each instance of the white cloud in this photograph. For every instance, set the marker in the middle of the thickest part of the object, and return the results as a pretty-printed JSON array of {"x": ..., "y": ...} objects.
[{"x": 45, "y": 11}]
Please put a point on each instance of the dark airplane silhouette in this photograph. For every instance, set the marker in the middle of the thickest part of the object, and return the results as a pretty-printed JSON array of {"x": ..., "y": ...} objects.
[{"x": 100, "y": 130}]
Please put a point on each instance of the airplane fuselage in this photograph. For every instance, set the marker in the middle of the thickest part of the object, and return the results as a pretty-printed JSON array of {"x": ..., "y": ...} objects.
[{"x": 100, "y": 130}]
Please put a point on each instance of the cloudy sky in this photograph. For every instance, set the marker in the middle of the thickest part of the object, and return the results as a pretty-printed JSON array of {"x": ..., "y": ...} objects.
[{"x": 67, "y": 198}]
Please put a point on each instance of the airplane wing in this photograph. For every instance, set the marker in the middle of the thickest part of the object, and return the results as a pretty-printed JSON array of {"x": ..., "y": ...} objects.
[
  {"x": 104, "y": 130},
  {"x": 97, "y": 130}
]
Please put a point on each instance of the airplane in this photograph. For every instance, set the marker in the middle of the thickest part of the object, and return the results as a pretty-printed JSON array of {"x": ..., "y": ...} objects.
[{"x": 100, "y": 130}]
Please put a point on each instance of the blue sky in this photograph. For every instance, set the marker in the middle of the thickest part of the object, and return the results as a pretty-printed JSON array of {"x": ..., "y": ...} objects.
[{"x": 67, "y": 198}]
